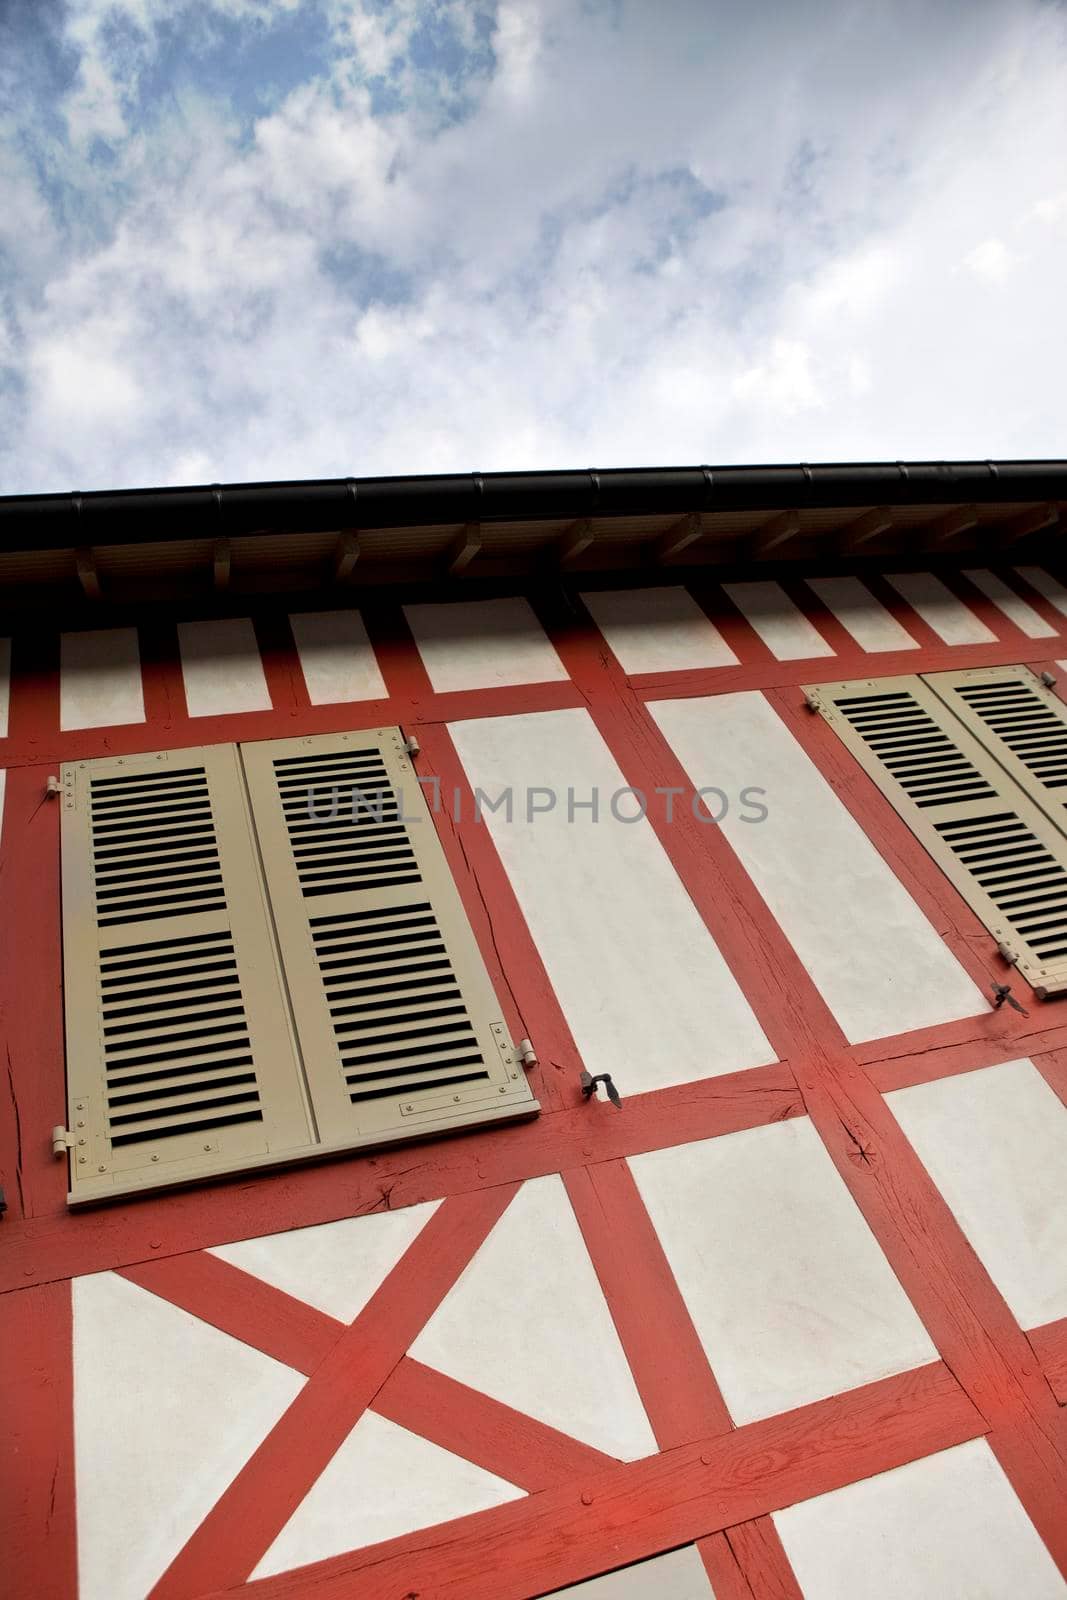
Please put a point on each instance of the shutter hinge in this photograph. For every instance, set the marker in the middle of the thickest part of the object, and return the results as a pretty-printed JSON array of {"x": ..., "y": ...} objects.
[
  {"x": 53, "y": 785},
  {"x": 1007, "y": 954},
  {"x": 411, "y": 745},
  {"x": 812, "y": 701},
  {"x": 62, "y": 1141},
  {"x": 526, "y": 1053},
  {"x": 1048, "y": 679}
]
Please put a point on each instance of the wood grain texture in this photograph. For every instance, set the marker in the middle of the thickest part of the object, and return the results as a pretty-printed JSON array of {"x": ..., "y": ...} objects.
[
  {"x": 761, "y": 1556},
  {"x": 628, "y": 1512},
  {"x": 37, "y": 1532},
  {"x": 1050, "y": 1346},
  {"x": 33, "y": 1096}
]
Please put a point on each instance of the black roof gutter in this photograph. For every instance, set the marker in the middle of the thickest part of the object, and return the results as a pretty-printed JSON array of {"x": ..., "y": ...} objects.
[{"x": 150, "y": 516}]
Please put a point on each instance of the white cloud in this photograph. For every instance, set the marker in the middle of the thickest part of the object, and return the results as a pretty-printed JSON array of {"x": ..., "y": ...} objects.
[
  {"x": 991, "y": 260},
  {"x": 612, "y": 233}
]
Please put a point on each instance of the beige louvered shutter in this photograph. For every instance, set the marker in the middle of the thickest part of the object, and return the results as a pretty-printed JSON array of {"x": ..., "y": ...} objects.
[
  {"x": 1020, "y": 722},
  {"x": 999, "y": 849},
  {"x": 398, "y": 1023},
  {"x": 180, "y": 1056}
]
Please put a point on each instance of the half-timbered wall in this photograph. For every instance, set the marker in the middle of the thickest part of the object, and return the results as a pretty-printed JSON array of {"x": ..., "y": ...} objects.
[{"x": 792, "y": 1322}]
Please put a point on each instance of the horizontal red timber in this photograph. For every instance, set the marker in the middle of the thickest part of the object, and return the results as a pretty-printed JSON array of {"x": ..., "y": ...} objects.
[
  {"x": 611, "y": 1518},
  {"x": 946, "y": 1058},
  {"x": 61, "y": 1244}
]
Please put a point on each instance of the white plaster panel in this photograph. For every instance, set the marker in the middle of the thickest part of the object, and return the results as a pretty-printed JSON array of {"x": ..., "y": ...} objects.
[
  {"x": 947, "y": 1527},
  {"x": 657, "y": 630},
  {"x": 336, "y": 657},
  {"x": 782, "y": 626},
  {"x": 1013, "y": 606},
  {"x": 483, "y": 644},
  {"x": 875, "y": 958},
  {"x": 679, "y": 1575},
  {"x": 788, "y": 1290},
  {"x": 868, "y": 621},
  {"x": 943, "y": 611},
  {"x": 644, "y": 988},
  {"x": 5, "y": 684},
  {"x": 524, "y": 1319},
  {"x": 166, "y": 1411},
  {"x": 383, "y": 1482},
  {"x": 222, "y": 668},
  {"x": 335, "y": 1266},
  {"x": 995, "y": 1143},
  {"x": 1046, "y": 585},
  {"x": 100, "y": 678}
]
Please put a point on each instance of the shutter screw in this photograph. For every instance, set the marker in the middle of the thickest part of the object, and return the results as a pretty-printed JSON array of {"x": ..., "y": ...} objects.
[
  {"x": 80, "y": 1141},
  {"x": 82, "y": 1160},
  {"x": 155, "y": 1158},
  {"x": 502, "y": 1091},
  {"x": 81, "y": 1124},
  {"x": 409, "y": 1108},
  {"x": 101, "y": 1169},
  {"x": 455, "y": 1097},
  {"x": 207, "y": 1147}
]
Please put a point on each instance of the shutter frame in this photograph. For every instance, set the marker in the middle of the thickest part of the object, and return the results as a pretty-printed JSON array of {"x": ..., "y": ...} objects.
[
  {"x": 411, "y": 884},
  {"x": 961, "y": 693},
  {"x": 983, "y": 845},
  {"x": 131, "y": 981}
]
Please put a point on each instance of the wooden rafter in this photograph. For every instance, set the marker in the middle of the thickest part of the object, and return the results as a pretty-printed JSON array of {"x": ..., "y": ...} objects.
[
  {"x": 683, "y": 533},
  {"x": 1035, "y": 520},
  {"x": 463, "y": 549},
  {"x": 865, "y": 529},
  {"x": 960, "y": 520},
  {"x": 577, "y": 539},
  {"x": 775, "y": 533},
  {"x": 345, "y": 555},
  {"x": 88, "y": 576},
  {"x": 221, "y": 557}
]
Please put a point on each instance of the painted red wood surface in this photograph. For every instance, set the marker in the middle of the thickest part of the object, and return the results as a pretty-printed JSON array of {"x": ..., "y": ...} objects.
[
  {"x": 625, "y": 1513},
  {"x": 37, "y": 1529},
  {"x": 711, "y": 1482}
]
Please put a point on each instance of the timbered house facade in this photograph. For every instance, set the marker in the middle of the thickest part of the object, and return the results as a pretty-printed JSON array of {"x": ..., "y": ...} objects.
[{"x": 534, "y": 1040}]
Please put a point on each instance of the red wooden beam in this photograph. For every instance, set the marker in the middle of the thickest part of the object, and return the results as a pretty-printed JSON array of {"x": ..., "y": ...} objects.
[
  {"x": 509, "y": 1443},
  {"x": 62, "y": 1245},
  {"x": 247, "y": 1308},
  {"x": 626, "y": 1513},
  {"x": 247, "y": 1519},
  {"x": 37, "y": 1534}
]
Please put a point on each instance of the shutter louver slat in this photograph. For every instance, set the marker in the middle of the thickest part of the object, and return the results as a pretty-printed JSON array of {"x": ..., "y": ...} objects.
[
  {"x": 999, "y": 849},
  {"x": 398, "y": 1023},
  {"x": 180, "y": 1059},
  {"x": 1020, "y": 722}
]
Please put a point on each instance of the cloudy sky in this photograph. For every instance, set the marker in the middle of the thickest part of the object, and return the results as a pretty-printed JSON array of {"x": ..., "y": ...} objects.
[{"x": 250, "y": 239}]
